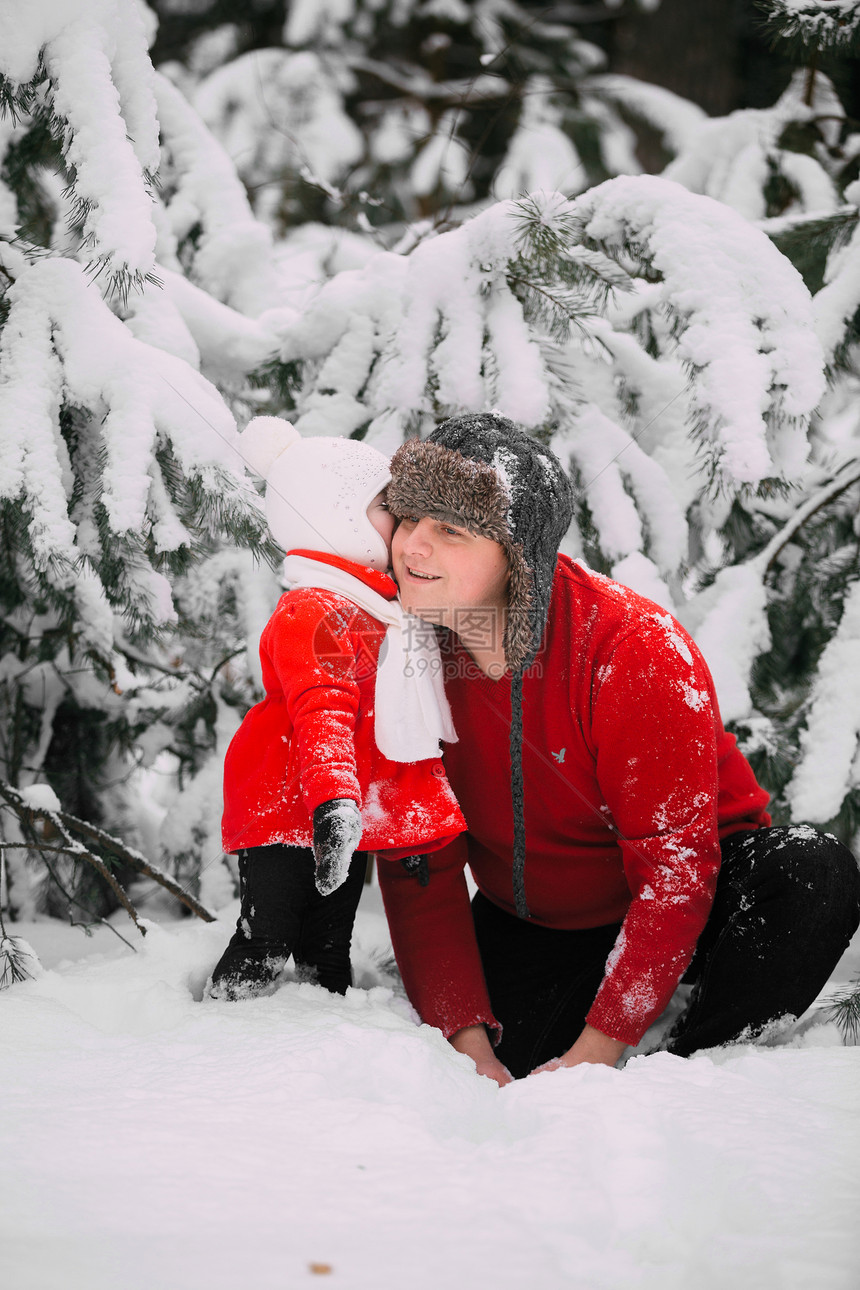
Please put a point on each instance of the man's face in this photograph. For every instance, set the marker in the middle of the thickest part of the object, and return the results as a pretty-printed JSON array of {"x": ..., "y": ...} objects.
[{"x": 444, "y": 571}]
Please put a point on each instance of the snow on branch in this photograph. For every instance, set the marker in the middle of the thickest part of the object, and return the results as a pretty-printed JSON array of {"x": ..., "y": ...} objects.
[
  {"x": 829, "y": 764},
  {"x": 729, "y": 622},
  {"x": 838, "y": 301},
  {"x": 629, "y": 494},
  {"x": 464, "y": 320},
  {"x": 814, "y": 24},
  {"x": 39, "y": 814},
  {"x": 92, "y": 56},
  {"x": 233, "y": 258},
  {"x": 406, "y": 333},
  {"x": 737, "y": 158},
  {"x": 676, "y": 119},
  {"x": 188, "y": 322},
  {"x": 63, "y": 348},
  {"x": 276, "y": 111},
  {"x": 540, "y": 155},
  {"x": 742, "y": 314},
  {"x": 456, "y": 325}
]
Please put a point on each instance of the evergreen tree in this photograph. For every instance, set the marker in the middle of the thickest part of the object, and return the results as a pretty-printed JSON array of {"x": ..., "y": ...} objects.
[
  {"x": 118, "y": 465},
  {"x": 793, "y": 169},
  {"x": 652, "y": 329},
  {"x": 807, "y": 687},
  {"x": 368, "y": 114}
]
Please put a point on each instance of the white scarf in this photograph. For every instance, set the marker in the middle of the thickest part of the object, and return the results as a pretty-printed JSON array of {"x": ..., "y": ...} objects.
[{"x": 411, "y": 710}]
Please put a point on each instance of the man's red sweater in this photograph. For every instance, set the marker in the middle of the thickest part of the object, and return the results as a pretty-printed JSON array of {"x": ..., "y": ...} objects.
[{"x": 630, "y": 782}]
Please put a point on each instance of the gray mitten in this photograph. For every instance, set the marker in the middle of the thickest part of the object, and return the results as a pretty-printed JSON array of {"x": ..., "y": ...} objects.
[{"x": 337, "y": 833}]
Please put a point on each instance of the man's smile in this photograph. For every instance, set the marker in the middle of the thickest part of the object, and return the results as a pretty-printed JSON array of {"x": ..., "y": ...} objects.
[{"x": 425, "y": 577}]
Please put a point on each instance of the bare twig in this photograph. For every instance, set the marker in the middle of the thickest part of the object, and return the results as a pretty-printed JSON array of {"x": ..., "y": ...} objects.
[
  {"x": 26, "y": 814},
  {"x": 76, "y": 833},
  {"x": 848, "y": 475},
  {"x": 138, "y": 862},
  {"x": 73, "y": 900},
  {"x": 420, "y": 86}
]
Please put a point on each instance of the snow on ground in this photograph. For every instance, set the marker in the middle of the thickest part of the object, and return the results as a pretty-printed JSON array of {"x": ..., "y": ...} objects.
[{"x": 154, "y": 1142}]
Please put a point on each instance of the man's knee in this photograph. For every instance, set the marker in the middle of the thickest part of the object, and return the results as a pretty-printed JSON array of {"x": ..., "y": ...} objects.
[{"x": 801, "y": 867}]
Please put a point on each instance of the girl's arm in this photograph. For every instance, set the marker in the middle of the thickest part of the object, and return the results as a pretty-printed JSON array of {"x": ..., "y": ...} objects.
[{"x": 311, "y": 651}]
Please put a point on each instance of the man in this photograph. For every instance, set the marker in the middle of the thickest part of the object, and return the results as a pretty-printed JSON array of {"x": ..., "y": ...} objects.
[{"x": 600, "y": 791}]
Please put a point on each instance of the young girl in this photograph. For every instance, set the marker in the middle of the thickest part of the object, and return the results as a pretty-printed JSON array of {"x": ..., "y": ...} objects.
[{"x": 341, "y": 758}]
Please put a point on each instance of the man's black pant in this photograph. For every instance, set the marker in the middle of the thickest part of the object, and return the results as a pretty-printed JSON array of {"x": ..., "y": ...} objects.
[
  {"x": 786, "y": 906},
  {"x": 282, "y": 914}
]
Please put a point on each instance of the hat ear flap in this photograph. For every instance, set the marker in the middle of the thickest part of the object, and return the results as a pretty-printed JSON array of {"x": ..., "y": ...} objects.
[
  {"x": 520, "y": 643},
  {"x": 263, "y": 440}
]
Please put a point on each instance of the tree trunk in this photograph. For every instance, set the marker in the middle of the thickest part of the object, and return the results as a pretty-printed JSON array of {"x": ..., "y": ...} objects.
[{"x": 691, "y": 49}]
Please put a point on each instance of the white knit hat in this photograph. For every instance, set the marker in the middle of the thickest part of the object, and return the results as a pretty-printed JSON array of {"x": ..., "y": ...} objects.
[{"x": 318, "y": 490}]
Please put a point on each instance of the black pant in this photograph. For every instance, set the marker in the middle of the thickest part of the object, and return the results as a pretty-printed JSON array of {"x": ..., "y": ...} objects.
[
  {"x": 786, "y": 906},
  {"x": 283, "y": 914}
]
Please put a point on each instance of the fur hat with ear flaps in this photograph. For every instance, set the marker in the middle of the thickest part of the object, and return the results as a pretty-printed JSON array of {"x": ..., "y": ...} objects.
[{"x": 487, "y": 474}]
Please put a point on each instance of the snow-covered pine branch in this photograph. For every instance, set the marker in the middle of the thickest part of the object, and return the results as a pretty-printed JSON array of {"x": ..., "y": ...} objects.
[
  {"x": 629, "y": 495},
  {"x": 152, "y": 456},
  {"x": 815, "y": 24},
  {"x": 829, "y": 767},
  {"x": 86, "y": 63},
  {"x": 809, "y": 241},
  {"x": 279, "y": 113},
  {"x": 231, "y": 253},
  {"x": 729, "y": 620},
  {"x": 481, "y": 317},
  {"x": 18, "y": 961},
  {"x": 742, "y": 314},
  {"x": 117, "y": 456},
  {"x": 838, "y": 301},
  {"x": 406, "y": 334},
  {"x": 676, "y": 119},
  {"x": 541, "y": 154},
  {"x": 444, "y": 328},
  {"x": 741, "y": 158},
  {"x": 37, "y": 807}
]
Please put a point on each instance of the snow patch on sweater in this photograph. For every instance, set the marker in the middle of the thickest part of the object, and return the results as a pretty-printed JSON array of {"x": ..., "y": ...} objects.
[
  {"x": 677, "y": 642},
  {"x": 695, "y": 699}
]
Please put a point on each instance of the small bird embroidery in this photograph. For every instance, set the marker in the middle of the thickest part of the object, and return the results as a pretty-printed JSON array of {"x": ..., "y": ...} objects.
[{"x": 559, "y": 756}]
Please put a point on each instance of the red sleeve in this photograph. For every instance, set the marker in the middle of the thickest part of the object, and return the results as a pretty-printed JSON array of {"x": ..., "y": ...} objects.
[
  {"x": 433, "y": 937},
  {"x": 310, "y": 649},
  {"x": 654, "y": 723}
]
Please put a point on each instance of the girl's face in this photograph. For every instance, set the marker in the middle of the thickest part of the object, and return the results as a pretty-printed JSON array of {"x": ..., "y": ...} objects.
[{"x": 381, "y": 519}]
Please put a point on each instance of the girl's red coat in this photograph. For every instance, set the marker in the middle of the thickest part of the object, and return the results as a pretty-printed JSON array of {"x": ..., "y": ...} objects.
[
  {"x": 312, "y": 737},
  {"x": 630, "y": 782}
]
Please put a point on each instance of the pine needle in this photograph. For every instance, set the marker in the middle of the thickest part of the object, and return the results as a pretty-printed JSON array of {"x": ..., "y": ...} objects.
[
  {"x": 844, "y": 1009},
  {"x": 808, "y": 242},
  {"x": 810, "y": 25},
  {"x": 16, "y": 961}
]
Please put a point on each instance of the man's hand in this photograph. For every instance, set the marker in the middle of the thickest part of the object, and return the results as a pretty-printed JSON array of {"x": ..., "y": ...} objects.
[
  {"x": 337, "y": 832},
  {"x": 592, "y": 1047},
  {"x": 475, "y": 1043}
]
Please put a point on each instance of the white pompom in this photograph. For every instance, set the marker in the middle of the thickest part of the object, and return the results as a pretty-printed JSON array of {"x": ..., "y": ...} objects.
[{"x": 263, "y": 440}]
